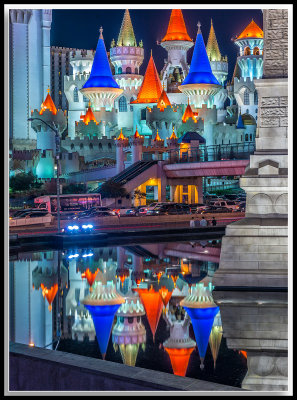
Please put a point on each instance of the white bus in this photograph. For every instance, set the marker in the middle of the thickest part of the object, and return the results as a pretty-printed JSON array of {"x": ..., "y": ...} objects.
[{"x": 69, "y": 202}]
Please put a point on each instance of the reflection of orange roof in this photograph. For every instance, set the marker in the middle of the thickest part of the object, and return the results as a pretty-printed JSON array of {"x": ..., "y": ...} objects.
[
  {"x": 50, "y": 294},
  {"x": 153, "y": 305},
  {"x": 251, "y": 31},
  {"x": 121, "y": 136},
  {"x": 163, "y": 101},
  {"x": 90, "y": 276},
  {"x": 151, "y": 88},
  {"x": 188, "y": 114},
  {"x": 48, "y": 104},
  {"x": 179, "y": 359},
  {"x": 89, "y": 116},
  {"x": 176, "y": 28},
  {"x": 165, "y": 294}
]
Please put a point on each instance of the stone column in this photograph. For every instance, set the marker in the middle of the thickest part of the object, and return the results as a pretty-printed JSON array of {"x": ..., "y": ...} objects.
[
  {"x": 161, "y": 190},
  {"x": 120, "y": 144},
  {"x": 254, "y": 249}
]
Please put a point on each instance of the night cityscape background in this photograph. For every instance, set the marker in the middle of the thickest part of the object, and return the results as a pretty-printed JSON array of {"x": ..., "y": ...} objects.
[{"x": 80, "y": 29}]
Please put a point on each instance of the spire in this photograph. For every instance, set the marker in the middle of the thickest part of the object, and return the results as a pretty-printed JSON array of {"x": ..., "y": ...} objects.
[
  {"x": 251, "y": 31},
  {"x": 121, "y": 135},
  {"x": 157, "y": 137},
  {"x": 48, "y": 104},
  {"x": 173, "y": 135},
  {"x": 200, "y": 70},
  {"x": 151, "y": 88},
  {"x": 240, "y": 124},
  {"x": 212, "y": 47},
  {"x": 89, "y": 116},
  {"x": 136, "y": 134},
  {"x": 176, "y": 28},
  {"x": 236, "y": 73},
  {"x": 163, "y": 101},
  {"x": 101, "y": 75},
  {"x": 126, "y": 36},
  {"x": 188, "y": 114}
]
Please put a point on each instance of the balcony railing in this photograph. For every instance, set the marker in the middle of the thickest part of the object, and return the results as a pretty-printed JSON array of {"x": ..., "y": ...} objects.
[{"x": 235, "y": 151}]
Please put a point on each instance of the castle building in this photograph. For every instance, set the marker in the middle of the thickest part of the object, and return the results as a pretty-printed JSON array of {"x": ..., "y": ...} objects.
[{"x": 29, "y": 71}]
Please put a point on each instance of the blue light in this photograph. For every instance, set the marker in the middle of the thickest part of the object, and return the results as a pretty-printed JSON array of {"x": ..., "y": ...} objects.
[
  {"x": 103, "y": 318},
  {"x": 202, "y": 321},
  {"x": 200, "y": 69},
  {"x": 101, "y": 75}
]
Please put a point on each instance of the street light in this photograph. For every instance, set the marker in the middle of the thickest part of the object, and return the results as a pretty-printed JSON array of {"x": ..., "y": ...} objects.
[{"x": 57, "y": 141}]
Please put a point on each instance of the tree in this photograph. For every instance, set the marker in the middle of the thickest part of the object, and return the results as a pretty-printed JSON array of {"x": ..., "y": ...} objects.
[
  {"x": 23, "y": 182},
  {"x": 112, "y": 190},
  {"x": 138, "y": 195}
]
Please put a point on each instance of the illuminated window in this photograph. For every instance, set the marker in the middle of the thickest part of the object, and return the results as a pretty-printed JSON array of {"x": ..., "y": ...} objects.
[
  {"x": 122, "y": 104},
  {"x": 131, "y": 107},
  {"x": 247, "y": 51},
  {"x": 75, "y": 95},
  {"x": 256, "y": 51},
  {"x": 246, "y": 97},
  {"x": 85, "y": 99},
  {"x": 120, "y": 71}
]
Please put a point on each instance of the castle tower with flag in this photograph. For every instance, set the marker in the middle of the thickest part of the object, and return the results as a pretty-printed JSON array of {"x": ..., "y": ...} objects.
[{"x": 127, "y": 57}]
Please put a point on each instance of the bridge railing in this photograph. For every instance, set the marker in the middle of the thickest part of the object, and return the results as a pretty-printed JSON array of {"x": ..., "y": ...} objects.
[{"x": 235, "y": 151}]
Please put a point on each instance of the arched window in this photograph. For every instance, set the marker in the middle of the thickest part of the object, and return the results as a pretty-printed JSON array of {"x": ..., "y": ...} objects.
[
  {"x": 81, "y": 146},
  {"x": 247, "y": 51},
  {"x": 85, "y": 99},
  {"x": 90, "y": 146},
  {"x": 246, "y": 137},
  {"x": 122, "y": 104},
  {"x": 256, "y": 51},
  {"x": 75, "y": 95},
  {"x": 256, "y": 97},
  {"x": 128, "y": 70},
  {"x": 251, "y": 137},
  {"x": 100, "y": 146},
  {"x": 109, "y": 145},
  {"x": 72, "y": 146},
  {"x": 131, "y": 107},
  {"x": 120, "y": 71},
  {"x": 143, "y": 114},
  {"x": 246, "y": 97},
  {"x": 136, "y": 71}
]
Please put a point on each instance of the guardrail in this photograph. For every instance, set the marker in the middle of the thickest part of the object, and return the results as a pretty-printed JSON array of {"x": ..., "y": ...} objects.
[{"x": 46, "y": 221}]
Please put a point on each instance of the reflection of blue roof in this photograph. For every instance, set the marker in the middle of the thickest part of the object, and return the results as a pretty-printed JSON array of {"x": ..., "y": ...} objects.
[
  {"x": 189, "y": 136},
  {"x": 200, "y": 69},
  {"x": 240, "y": 124},
  {"x": 101, "y": 75},
  {"x": 202, "y": 321},
  {"x": 103, "y": 318},
  {"x": 193, "y": 280}
]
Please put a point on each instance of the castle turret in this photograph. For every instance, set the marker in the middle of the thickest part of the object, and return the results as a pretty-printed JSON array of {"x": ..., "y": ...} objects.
[
  {"x": 101, "y": 88},
  {"x": 176, "y": 42},
  {"x": 127, "y": 57},
  {"x": 136, "y": 142},
  {"x": 200, "y": 85},
  {"x": 120, "y": 143}
]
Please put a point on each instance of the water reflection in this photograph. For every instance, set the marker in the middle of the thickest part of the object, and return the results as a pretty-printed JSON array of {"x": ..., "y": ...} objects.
[{"x": 147, "y": 305}]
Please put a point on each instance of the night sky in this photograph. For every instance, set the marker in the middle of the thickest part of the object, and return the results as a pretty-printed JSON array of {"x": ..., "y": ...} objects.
[{"x": 80, "y": 29}]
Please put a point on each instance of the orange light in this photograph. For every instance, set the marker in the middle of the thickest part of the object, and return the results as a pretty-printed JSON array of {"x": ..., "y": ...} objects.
[
  {"x": 251, "y": 31},
  {"x": 31, "y": 344},
  {"x": 50, "y": 294}
]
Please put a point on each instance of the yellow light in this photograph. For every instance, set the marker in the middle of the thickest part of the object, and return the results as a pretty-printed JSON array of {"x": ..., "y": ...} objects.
[{"x": 31, "y": 344}]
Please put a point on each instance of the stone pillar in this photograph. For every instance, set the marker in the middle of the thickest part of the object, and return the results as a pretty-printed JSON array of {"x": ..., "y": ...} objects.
[
  {"x": 200, "y": 189},
  {"x": 120, "y": 156},
  {"x": 136, "y": 149},
  {"x": 161, "y": 190},
  {"x": 254, "y": 249}
]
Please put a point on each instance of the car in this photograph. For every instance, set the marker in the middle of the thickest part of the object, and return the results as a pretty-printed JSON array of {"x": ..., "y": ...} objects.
[
  {"x": 168, "y": 209},
  {"x": 152, "y": 207},
  {"x": 185, "y": 207},
  {"x": 212, "y": 210},
  {"x": 31, "y": 213},
  {"x": 98, "y": 214},
  {"x": 200, "y": 208}
]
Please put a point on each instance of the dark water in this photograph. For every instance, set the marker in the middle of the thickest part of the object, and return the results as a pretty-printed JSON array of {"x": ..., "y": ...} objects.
[{"x": 46, "y": 303}]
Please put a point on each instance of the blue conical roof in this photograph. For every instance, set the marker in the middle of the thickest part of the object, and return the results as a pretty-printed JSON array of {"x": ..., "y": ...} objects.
[
  {"x": 240, "y": 124},
  {"x": 200, "y": 69},
  {"x": 101, "y": 75}
]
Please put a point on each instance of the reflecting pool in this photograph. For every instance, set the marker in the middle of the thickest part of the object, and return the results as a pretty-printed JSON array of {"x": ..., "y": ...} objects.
[{"x": 145, "y": 305}]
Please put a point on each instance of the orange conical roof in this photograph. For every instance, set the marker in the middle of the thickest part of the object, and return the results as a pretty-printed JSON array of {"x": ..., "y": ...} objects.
[
  {"x": 176, "y": 28},
  {"x": 163, "y": 101},
  {"x": 89, "y": 116},
  {"x": 153, "y": 305},
  {"x": 90, "y": 276},
  {"x": 251, "y": 31},
  {"x": 121, "y": 136},
  {"x": 151, "y": 88},
  {"x": 179, "y": 359},
  {"x": 136, "y": 134},
  {"x": 48, "y": 104},
  {"x": 173, "y": 135},
  {"x": 188, "y": 114},
  {"x": 165, "y": 294},
  {"x": 157, "y": 137}
]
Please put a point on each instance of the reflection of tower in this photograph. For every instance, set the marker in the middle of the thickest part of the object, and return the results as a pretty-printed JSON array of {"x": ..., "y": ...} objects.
[
  {"x": 202, "y": 310},
  {"x": 179, "y": 345},
  {"x": 215, "y": 337},
  {"x": 127, "y": 58},
  {"x": 83, "y": 327},
  {"x": 102, "y": 303},
  {"x": 129, "y": 333},
  {"x": 176, "y": 42}
]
